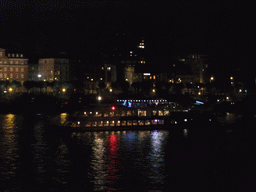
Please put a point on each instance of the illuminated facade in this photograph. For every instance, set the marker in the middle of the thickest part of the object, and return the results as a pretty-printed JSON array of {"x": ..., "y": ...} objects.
[
  {"x": 53, "y": 69},
  {"x": 13, "y": 67}
]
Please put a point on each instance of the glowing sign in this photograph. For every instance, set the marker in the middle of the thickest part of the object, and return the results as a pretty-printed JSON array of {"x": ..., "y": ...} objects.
[{"x": 146, "y": 73}]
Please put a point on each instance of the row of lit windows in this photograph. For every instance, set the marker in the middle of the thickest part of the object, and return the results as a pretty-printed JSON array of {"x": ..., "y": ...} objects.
[
  {"x": 139, "y": 113},
  {"x": 11, "y": 75},
  {"x": 12, "y": 62},
  {"x": 11, "y": 69},
  {"x": 120, "y": 123}
]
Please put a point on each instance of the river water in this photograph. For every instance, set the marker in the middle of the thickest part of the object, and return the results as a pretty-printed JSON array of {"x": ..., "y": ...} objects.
[{"x": 34, "y": 157}]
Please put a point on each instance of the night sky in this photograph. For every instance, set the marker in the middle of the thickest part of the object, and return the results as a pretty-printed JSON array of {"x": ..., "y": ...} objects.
[{"x": 223, "y": 30}]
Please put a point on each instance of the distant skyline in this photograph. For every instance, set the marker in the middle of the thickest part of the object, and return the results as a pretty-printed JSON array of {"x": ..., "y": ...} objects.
[{"x": 223, "y": 30}]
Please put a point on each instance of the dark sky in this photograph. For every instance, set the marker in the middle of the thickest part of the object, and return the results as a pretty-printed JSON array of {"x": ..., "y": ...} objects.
[{"x": 222, "y": 29}]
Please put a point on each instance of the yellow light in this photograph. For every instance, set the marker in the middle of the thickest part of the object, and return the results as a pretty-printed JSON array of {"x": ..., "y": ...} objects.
[
  {"x": 78, "y": 122},
  {"x": 100, "y": 78},
  {"x": 63, "y": 90},
  {"x": 212, "y": 78},
  {"x": 153, "y": 90},
  {"x": 110, "y": 90},
  {"x": 227, "y": 98},
  {"x": 240, "y": 90},
  {"x": 10, "y": 89},
  {"x": 199, "y": 93},
  {"x": 99, "y": 98},
  {"x": 126, "y": 79},
  {"x": 7, "y": 78},
  {"x": 231, "y": 78},
  {"x": 91, "y": 79}
]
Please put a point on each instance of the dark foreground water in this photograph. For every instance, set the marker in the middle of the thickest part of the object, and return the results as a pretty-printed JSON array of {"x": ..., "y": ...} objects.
[{"x": 34, "y": 157}]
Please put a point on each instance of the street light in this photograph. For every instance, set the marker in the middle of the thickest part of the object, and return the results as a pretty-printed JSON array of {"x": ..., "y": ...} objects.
[
  {"x": 63, "y": 90},
  {"x": 99, "y": 98}
]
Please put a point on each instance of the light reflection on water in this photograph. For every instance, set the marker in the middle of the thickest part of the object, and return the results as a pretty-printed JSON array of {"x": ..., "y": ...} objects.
[{"x": 91, "y": 160}]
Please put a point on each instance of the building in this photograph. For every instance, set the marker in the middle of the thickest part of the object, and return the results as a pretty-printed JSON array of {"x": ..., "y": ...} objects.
[
  {"x": 13, "y": 67},
  {"x": 53, "y": 69}
]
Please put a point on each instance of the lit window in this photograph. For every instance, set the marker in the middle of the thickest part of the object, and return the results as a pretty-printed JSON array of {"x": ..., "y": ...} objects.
[
  {"x": 11, "y": 75},
  {"x": 11, "y": 62},
  {"x": 16, "y": 62},
  {"x": 154, "y": 77},
  {"x": 1, "y": 75},
  {"x": 231, "y": 78},
  {"x": 5, "y": 68},
  {"x": 22, "y": 69},
  {"x": 22, "y": 76},
  {"x": 11, "y": 69},
  {"x": 16, "y": 76},
  {"x": 17, "y": 69},
  {"x": 130, "y": 51},
  {"x": 109, "y": 68}
]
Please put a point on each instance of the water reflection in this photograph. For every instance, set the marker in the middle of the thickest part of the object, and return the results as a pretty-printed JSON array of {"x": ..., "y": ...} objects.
[
  {"x": 8, "y": 145},
  {"x": 63, "y": 118},
  {"x": 98, "y": 162},
  {"x": 156, "y": 156}
]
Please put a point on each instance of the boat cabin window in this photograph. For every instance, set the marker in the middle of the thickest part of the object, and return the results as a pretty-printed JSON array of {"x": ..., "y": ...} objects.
[
  {"x": 100, "y": 123},
  {"x": 105, "y": 114},
  {"x": 106, "y": 123},
  {"x": 123, "y": 113},
  {"x": 147, "y": 122},
  {"x": 88, "y": 124},
  {"x": 129, "y": 113},
  {"x": 154, "y": 113},
  {"x": 85, "y": 113},
  {"x": 134, "y": 122},
  {"x": 97, "y": 114},
  {"x": 94, "y": 124},
  {"x": 123, "y": 123},
  {"x": 134, "y": 113},
  {"x": 112, "y": 123},
  {"x": 118, "y": 123},
  {"x": 111, "y": 114},
  {"x": 140, "y": 122},
  {"x": 154, "y": 121},
  {"x": 160, "y": 122},
  {"x": 160, "y": 113},
  {"x": 142, "y": 113},
  {"x": 166, "y": 113},
  {"x": 129, "y": 123}
]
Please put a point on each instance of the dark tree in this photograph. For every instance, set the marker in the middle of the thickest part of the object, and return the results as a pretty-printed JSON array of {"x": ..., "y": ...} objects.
[
  {"x": 28, "y": 85},
  {"x": 136, "y": 86},
  {"x": 125, "y": 86}
]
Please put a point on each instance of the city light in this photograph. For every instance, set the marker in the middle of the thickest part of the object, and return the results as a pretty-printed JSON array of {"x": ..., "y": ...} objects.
[
  {"x": 63, "y": 90},
  {"x": 153, "y": 90},
  {"x": 39, "y": 75},
  {"x": 110, "y": 90},
  {"x": 199, "y": 93},
  {"x": 231, "y": 78},
  {"x": 99, "y": 98},
  {"x": 240, "y": 90},
  {"x": 227, "y": 98},
  {"x": 212, "y": 78},
  {"x": 10, "y": 89}
]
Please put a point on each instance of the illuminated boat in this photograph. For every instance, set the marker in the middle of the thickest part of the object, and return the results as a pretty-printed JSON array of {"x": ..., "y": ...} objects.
[{"x": 113, "y": 117}]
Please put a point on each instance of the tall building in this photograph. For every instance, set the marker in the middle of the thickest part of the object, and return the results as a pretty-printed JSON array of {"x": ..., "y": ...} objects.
[
  {"x": 53, "y": 69},
  {"x": 192, "y": 68},
  {"x": 13, "y": 67}
]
